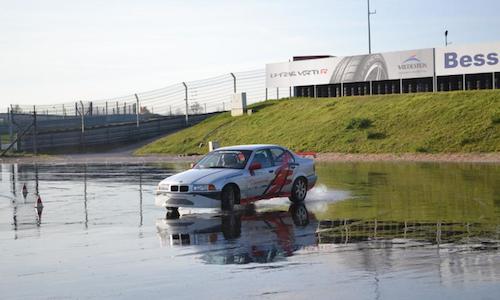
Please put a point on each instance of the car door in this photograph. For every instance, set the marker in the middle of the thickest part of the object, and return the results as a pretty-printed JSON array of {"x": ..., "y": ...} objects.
[
  {"x": 284, "y": 173},
  {"x": 261, "y": 179}
]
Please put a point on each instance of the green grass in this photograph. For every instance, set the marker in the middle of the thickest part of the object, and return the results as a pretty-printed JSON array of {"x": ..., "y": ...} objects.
[{"x": 452, "y": 122}]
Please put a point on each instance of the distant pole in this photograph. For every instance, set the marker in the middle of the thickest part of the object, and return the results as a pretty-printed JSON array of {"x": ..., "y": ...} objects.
[
  {"x": 234, "y": 82},
  {"x": 186, "y": 99},
  {"x": 106, "y": 108},
  {"x": 82, "y": 113},
  {"x": 35, "y": 129},
  {"x": 446, "y": 38},
  {"x": 137, "y": 109},
  {"x": 369, "y": 28},
  {"x": 11, "y": 125}
]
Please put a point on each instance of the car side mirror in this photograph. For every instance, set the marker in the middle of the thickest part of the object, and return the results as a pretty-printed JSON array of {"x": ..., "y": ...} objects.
[{"x": 254, "y": 166}]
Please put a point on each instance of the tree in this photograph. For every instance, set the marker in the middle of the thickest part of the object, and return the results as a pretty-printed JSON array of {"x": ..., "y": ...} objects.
[{"x": 196, "y": 108}]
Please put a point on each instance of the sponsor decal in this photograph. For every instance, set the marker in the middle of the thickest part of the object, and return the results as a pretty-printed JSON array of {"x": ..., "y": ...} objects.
[
  {"x": 453, "y": 60},
  {"x": 302, "y": 73},
  {"x": 412, "y": 63}
]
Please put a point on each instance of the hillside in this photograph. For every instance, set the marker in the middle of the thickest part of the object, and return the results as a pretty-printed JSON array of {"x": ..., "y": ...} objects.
[{"x": 451, "y": 122}]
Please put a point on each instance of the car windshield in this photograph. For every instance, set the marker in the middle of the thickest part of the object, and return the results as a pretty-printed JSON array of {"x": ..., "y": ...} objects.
[{"x": 230, "y": 159}]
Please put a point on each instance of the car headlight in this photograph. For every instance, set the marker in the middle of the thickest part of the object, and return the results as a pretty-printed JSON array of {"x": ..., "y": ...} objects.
[
  {"x": 164, "y": 187},
  {"x": 203, "y": 187}
]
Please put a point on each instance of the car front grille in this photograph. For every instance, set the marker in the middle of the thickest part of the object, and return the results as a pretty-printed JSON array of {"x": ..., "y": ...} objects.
[{"x": 179, "y": 188}]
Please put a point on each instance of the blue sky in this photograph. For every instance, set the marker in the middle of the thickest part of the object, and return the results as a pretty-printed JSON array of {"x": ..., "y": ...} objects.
[{"x": 57, "y": 51}]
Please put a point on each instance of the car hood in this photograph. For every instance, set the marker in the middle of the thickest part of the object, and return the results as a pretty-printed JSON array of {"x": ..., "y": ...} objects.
[{"x": 202, "y": 176}]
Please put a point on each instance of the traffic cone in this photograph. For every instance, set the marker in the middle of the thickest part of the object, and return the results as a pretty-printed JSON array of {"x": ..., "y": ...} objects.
[
  {"x": 39, "y": 210},
  {"x": 25, "y": 190},
  {"x": 39, "y": 203}
]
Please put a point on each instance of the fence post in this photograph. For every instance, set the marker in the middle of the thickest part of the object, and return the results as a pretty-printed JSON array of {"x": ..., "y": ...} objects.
[
  {"x": 137, "y": 109},
  {"x": 277, "y": 93},
  {"x": 76, "y": 109},
  {"x": 106, "y": 108},
  {"x": 11, "y": 125},
  {"x": 82, "y": 113},
  {"x": 234, "y": 82},
  {"x": 117, "y": 108},
  {"x": 266, "y": 93},
  {"x": 186, "y": 99},
  {"x": 493, "y": 81},
  {"x": 35, "y": 132},
  {"x": 205, "y": 107},
  {"x": 371, "y": 87}
]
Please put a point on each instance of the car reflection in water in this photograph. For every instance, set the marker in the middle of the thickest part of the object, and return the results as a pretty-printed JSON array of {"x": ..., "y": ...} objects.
[{"x": 242, "y": 237}]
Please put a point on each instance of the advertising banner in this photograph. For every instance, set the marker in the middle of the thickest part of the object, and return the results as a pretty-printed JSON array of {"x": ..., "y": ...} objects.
[
  {"x": 359, "y": 68},
  {"x": 480, "y": 58}
]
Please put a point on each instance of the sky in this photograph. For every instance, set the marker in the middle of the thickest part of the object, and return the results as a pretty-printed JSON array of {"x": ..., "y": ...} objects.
[{"x": 55, "y": 51}]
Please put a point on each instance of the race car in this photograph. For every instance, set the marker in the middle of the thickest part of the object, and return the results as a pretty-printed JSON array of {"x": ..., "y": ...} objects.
[{"x": 238, "y": 175}]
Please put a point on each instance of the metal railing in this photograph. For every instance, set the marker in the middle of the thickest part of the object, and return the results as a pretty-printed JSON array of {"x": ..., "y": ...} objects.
[
  {"x": 199, "y": 97},
  {"x": 53, "y": 122}
]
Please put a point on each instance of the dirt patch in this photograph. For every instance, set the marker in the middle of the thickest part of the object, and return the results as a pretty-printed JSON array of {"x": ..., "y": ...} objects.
[
  {"x": 121, "y": 158},
  {"x": 415, "y": 157}
]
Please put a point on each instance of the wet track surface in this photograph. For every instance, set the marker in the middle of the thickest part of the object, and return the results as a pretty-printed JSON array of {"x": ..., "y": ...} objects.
[{"x": 367, "y": 231}]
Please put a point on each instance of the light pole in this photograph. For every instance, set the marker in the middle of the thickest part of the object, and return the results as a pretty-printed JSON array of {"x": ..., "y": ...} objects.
[{"x": 369, "y": 29}]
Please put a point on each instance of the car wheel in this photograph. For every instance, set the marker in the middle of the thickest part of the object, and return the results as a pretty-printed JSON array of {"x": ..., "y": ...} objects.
[
  {"x": 231, "y": 226},
  {"x": 299, "y": 190},
  {"x": 172, "y": 213},
  {"x": 300, "y": 215},
  {"x": 230, "y": 197}
]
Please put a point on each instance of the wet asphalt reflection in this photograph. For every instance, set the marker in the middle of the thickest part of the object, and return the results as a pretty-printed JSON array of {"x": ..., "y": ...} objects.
[{"x": 366, "y": 231}]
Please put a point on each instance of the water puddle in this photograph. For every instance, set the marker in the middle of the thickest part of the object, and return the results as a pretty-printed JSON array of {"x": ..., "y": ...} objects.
[{"x": 367, "y": 230}]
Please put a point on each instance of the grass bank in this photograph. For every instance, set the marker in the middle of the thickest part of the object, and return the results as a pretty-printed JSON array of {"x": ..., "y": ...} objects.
[{"x": 452, "y": 122}]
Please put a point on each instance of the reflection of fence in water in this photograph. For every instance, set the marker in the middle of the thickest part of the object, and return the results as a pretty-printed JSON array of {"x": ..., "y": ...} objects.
[
  {"x": 27, "y": 218},
  {"x": 352, "y": 231}
]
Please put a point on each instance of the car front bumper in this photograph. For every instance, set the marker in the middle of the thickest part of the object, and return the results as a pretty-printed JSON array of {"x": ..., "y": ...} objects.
[{"x": 194, "y": 200}]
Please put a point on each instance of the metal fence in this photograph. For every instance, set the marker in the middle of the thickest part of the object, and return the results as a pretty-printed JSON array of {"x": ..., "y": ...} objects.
[
  {"x": 54, "y": 123},
  {"x": 191, "y": 98}
]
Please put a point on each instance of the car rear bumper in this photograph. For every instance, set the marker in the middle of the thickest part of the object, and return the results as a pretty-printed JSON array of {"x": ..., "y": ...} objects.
[
  {"x": 311, "y": 181},
  {"x": 195, "y": 200}
]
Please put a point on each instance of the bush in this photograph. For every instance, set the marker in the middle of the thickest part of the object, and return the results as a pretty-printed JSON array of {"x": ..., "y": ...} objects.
[
  {"x": 375, "y": 135},
  {"x": 422, "y": 149},
  {"x": 359, "y": 123}
]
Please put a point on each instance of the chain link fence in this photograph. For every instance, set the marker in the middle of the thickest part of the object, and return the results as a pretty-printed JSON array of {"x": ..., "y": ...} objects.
[
  {"x": 192, "y": 98},
  {"x": 150, "y": 113}
]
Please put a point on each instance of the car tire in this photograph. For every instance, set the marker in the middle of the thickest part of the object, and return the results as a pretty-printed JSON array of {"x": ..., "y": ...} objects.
[
  {"x": 172, "y": 213},
  {"x": 300, "y": 215},
  {"x": 299, "y": 190},
  {"x": 230, "y": 197},
  {"x": 360, "y": 68}
]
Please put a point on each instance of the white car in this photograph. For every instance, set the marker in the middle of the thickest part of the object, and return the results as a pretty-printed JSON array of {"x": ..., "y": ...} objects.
[{"x": 236, "y": 175}]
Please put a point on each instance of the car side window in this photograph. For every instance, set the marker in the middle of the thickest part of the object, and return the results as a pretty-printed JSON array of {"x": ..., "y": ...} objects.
[
  {"x": 263, "y": 157},
  {"x": 281, "y": 156}
]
